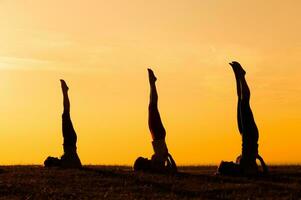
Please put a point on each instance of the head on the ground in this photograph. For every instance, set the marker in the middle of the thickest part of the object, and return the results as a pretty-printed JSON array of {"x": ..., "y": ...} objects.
[
  {"x": 52, "y": 162},
  {"x": 142, "y": 164}
]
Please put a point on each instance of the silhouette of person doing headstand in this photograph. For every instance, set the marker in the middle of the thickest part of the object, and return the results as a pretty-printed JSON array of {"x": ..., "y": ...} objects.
[
  {"x": 70, "y": 158},
  {"x": 161, "y": 161},
  {"x": 246, "y": 162}
]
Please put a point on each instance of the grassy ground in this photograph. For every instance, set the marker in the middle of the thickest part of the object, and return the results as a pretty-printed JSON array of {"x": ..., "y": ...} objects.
[{"x": 101, "y": 182}]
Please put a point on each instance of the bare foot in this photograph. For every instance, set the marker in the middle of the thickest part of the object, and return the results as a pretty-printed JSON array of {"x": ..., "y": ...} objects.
[
  {"x": 64, "y": 86},
  {"x": 151, "y": 76},
  {"x": 237, "y": 68}
]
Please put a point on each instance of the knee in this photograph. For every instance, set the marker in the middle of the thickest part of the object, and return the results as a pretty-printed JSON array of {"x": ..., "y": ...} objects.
[
  {"x": 152, "y": 106},
  {"x": 66, "y": 116},
  {"x": 246, "y": 96}
]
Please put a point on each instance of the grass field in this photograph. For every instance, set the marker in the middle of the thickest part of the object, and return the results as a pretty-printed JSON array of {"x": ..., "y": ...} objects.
[{"x": 113, "y": 182}]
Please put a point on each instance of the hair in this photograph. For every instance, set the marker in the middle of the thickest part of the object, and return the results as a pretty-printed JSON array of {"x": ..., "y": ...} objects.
[
  {"x": 52, "y": 162},
  {"x": 142, "y": 164}
]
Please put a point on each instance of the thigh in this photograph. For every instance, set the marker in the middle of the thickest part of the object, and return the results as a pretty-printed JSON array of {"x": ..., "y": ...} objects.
[
  {"x": 69, "y": 133},
  {"x": 249, "y": 127},
  {"x": 155, "y": 125}
]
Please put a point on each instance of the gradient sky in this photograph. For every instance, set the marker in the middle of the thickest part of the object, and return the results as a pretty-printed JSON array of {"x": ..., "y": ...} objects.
[{"x": 102, "y": 49}]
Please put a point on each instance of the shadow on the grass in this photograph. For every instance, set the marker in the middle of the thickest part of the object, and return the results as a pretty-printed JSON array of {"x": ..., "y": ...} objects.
[
  {"x": 124, "y": 172},
  {"x": 200, "y": 183},
  {"x": 179, "y": 183},
  {"x": 163, "y": 183}
]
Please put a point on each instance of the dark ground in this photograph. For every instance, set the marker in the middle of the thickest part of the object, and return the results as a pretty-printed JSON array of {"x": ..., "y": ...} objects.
[{"x": 113, "y": 182}]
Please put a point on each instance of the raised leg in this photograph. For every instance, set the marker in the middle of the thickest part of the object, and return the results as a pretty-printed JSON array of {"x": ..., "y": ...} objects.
[
  {"x": 154, "y": 120},
  {"x": 69, "y": 133},
  {"x": 248, "y": 122},
  {"x": 156, "y": 127},
  {"x": 247, "y": 125},
  {"x": 66, "y": 101},
  {"x": 239, "y": 94},
  {"x": 245, "y": 90},
  {"x": 70, "y": 157}
]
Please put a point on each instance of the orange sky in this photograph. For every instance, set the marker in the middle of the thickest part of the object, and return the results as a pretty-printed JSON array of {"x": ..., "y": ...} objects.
[{"x": 102, "y": 49}]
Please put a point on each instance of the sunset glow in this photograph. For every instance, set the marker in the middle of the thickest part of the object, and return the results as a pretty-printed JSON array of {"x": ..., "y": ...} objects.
[{"x": 103, "y": 48}]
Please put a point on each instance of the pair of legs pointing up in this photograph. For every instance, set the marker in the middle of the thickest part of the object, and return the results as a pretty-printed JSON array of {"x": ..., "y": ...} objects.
[
  {"x": 70, "y": 158},
  {"x": 246, "y": 162},
  {"x": 161, "y": 161}
]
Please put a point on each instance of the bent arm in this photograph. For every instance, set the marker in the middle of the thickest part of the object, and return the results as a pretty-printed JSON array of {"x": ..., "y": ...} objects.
[
  {"x": 172, "y": 164},
  {"x": 264, "y": 166}
]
